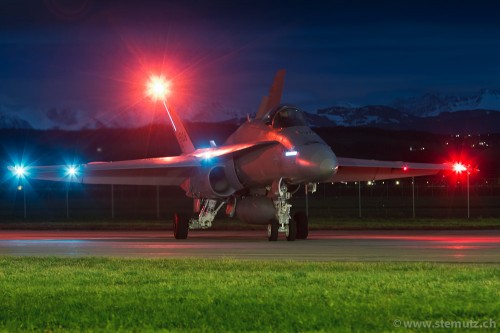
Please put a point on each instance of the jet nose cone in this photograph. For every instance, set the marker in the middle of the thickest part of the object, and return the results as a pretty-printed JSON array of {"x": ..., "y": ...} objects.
[
  {"x": 318, "y": 162},
  {"x": 327, "y": 165}
]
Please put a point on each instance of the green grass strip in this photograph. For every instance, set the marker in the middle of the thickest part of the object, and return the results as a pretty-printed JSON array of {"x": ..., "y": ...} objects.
[
  {"x": 315, "y": 223},
  {"x": 137, "y": 295}
]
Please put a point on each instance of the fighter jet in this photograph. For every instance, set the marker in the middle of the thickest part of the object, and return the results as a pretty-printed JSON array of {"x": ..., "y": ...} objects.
[{"x": 253, "y": 174}]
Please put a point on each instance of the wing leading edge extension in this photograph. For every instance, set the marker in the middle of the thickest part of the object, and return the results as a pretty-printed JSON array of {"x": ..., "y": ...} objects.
[{"x": 352, "y": 169}]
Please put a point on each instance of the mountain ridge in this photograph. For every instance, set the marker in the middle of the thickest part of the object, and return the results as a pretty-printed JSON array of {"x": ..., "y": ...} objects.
[{"x": 436, "y": 112}]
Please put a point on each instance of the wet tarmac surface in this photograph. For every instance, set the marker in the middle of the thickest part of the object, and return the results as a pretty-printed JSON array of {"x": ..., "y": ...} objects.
[{"x": 401, "y": 245}]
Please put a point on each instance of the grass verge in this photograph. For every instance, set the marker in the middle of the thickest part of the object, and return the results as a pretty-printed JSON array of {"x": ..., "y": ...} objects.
[
  {"x": 325, "y": 223},
  {"x": 100, "y": 294}
]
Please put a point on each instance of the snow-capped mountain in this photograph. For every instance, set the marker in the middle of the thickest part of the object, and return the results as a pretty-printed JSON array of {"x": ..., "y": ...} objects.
[
  {"x": 432, "y": 104},
  {"x": 418, "y": 113},
  {"x": 364, "y": 116},
  {"x": 430, "y": 112},
  {"x": 475, "y": 121},
  {"x": 9, "y": 120},
  {"x": 214, "y": 112}
]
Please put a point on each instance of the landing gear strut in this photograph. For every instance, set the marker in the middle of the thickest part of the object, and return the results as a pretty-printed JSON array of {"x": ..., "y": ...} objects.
[
  {"x": 207, "y": 210},
  {"x": 283, "y": 222},
  {"x": 206, "y": 214}
]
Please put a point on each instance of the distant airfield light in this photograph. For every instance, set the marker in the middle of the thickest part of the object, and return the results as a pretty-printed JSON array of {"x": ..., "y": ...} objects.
[
  {"x": 158, "y": 88},
  {"x": 405, "y": 168},
  {"x": 397, "y": 182}
]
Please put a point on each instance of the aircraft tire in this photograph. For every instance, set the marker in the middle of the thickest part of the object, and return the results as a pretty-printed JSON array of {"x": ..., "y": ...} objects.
[
  {"x": 292, "y": 230},
  {"x": 181, "y": 226},
  {"x": 272, "y": 230},
  {"x": 302, "y": 225}
]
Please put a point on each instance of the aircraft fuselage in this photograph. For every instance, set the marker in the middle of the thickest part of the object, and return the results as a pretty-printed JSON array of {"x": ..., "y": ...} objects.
[{"x": 298, "y": 156}]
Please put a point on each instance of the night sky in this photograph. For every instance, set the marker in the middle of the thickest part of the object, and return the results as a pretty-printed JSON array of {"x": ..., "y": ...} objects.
[{"x": 85, "y": 62}]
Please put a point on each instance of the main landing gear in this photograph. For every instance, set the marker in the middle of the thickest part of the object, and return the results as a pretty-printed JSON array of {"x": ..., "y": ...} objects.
[
  {"x": 296, "y": 228},
  {"x": 181, "y": 226},
  {"x": 206, "y": 209}
]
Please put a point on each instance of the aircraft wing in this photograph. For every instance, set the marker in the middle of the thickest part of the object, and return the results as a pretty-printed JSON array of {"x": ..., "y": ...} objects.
[
  {"x": 352, "y": 169},
  {"x": 151, "y": 171}
]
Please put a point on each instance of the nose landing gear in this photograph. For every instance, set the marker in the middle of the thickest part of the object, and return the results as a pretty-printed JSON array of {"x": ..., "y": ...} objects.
[{"x": 296, "y": 228}]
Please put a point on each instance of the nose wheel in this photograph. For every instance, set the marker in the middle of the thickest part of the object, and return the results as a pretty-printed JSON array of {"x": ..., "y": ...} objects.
[
  {"x": 302, "y": 222},
  {"x": 291, "y": 232},
  {"x": 272, "y": 230}
]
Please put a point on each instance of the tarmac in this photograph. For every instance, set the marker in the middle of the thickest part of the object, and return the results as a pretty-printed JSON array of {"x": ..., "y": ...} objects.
[{"x": 476, "y": 246}]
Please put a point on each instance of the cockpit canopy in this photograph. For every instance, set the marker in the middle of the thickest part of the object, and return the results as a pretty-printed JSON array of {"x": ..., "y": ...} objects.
[{"x": 285, "y": 116}]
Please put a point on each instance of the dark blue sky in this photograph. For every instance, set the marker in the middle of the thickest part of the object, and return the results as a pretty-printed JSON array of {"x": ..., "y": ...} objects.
[{"x": 67, "y": 63}]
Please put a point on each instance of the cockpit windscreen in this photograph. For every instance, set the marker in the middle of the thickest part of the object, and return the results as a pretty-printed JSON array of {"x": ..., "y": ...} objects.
[{"x": 288, "y": 117}]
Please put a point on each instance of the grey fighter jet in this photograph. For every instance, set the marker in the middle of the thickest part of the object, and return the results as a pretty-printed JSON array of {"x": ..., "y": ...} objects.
[{"x": 254, "y": 173}]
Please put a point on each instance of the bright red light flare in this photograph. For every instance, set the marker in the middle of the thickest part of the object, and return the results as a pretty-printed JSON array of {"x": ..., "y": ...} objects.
[
  {"x": 459, "y": 167},
  {"x": 405, "y": 168},
  {"x": 158, "y": 88}
]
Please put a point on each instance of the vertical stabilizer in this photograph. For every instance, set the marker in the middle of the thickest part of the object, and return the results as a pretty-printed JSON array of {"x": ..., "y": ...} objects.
[
  {"x": 262, "y": 107},
  {"x": 180, "y": 131},
  {"x": 274, "y": 97}
]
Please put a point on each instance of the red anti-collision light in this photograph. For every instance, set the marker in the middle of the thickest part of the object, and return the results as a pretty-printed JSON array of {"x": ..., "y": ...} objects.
[
  {"x": 158, "y": 88},
  {"x": 459, "y": 167}
]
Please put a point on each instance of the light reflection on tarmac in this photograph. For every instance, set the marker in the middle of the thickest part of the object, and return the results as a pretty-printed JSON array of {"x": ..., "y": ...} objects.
[{"x": 407, "y": 245}]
